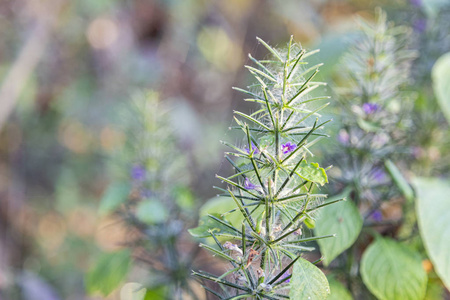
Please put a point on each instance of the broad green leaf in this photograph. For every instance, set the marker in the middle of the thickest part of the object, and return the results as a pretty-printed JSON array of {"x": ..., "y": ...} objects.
[
  {"x": 342, "y": 219},
  {"x": 206, "y": 223},
  {"x": 151, "y": 211},
  {"x": 392, "y": 271},
  {"x": 338, "y": 291},
  {"x": 312, "y": 172},
  {"x": 433, "y": 213},
  {"x": 116, "y": 194},
  {"x": 441, "y": 83},
  {"x": 108, "y": 272},
  {"x": 308, "y": 282}
]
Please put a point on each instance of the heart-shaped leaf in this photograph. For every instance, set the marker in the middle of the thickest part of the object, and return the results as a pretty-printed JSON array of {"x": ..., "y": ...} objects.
[
  {"x": 342, "y": 219},
  {"x": 433, "y": 212},
  {"x": 108, "y": 272},
  {"x": 441, "y": 83},
  {"x": 391, "y": 270},
  {"x": 308, "y": 282}
]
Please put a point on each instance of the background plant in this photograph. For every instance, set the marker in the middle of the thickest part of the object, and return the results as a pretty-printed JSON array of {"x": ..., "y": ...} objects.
[
  {"x": 376, "y": 126},
  {"x": 151, "y": 195}
]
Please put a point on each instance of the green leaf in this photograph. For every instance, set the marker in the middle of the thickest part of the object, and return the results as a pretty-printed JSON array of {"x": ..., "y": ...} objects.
[
  {"x": 391, "y": 270},
  {"x": 433, "y": 213},
  {"x": 313, "y": 173},
  {"x": 220, "y": 205},
  {"x": 308, "y": 282},
  {"x": 184, "y": 197},
  {"x": 400, "y": 181},
  {"x": 151, "y": 211},
  {"x": 338, "y": 291},
  {"x": 206, "y": 224},
  {"x": 108, "y": 272},
  {"x": 157, "y": 293},
  {"x": 368, "y": 125},
  {"x": 343, "y": 219},
  {"x": 441, "y": 83},
  {"x": 116, "y": 194}
]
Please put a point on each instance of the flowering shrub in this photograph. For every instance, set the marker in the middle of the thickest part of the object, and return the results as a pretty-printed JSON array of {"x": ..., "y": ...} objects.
[
  {"x": 276, "y": 186},
  {"x": 376, "y": 123}
]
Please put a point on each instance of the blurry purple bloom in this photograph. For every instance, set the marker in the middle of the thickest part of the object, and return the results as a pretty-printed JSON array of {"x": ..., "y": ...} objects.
[
  {"x": 248, "y": 185},
  {"x": 254, "y": 149},
  {"x": 343, "y": 137},
  {"x": 416, "y": 3},
  {"x": 420, "y": 25},
  {"x": 284, "y": 276},
  {"x": 146, "y": 193},
  {"x": 288, "y": 147},
  {"x": 377, "y": 216},
  {"x": 138, "y": 173},
  {"x": 379, "y": 175},
  {"x": 369, "y": 108}
]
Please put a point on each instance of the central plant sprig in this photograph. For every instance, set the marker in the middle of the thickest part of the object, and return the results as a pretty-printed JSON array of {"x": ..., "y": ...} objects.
[{"x": 273, "y": 186}]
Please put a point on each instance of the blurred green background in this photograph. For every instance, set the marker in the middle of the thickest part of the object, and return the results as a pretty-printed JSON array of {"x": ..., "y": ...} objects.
[{"x": 66, "y": 69}]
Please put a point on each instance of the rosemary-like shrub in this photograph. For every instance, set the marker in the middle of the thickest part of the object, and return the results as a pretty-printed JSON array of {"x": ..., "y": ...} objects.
[{"x": 276, "y": 186}]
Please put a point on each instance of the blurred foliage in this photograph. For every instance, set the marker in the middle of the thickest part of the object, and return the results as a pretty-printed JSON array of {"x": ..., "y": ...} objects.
[{"x": 62, "y": 127}]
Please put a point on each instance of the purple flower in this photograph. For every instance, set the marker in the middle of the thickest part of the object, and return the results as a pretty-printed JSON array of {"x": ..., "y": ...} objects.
[
  {"x": 146, "y": 193},
  {"x": 248, "y": 185},
  {"x": 138, "y": 173},
  {"x": 378, "y": 175},
  {"x": 369, "y": 108},
  {"x": 420, "y": 25},
  {"x": 377, "y": 216},
  {"x": 284, "y": 276},
  {"x": 343, "y": 137},
  {"x": 288, "y": 147},
  {"x": 416, "y": 3},
  {"x": 254, "y": 149}
]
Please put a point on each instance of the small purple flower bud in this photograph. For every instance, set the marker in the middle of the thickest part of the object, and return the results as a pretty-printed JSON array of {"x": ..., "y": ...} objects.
[
  {"x": 378, "y": 175},
  {"x": 284, "y": 276},
  {"x": 420, "y": 25},
  {"x": 369, "y": 108},
  {"x": 377, "y": 216},
  {"x": 138, "y": 173},
  {"x": 146, "y": 193},
  {"x": 254, "y": 149},
  {"x": 343, "y": 137},
  {"x": 288, "y": 147},
  {"x": 416, "y": 3},
  {"x": 248, "y": 185}
]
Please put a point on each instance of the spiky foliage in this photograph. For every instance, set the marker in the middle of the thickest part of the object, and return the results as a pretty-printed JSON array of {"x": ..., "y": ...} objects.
[
  {"x": 374, "y": 106},
  {"x": 275, "y": 185}
]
